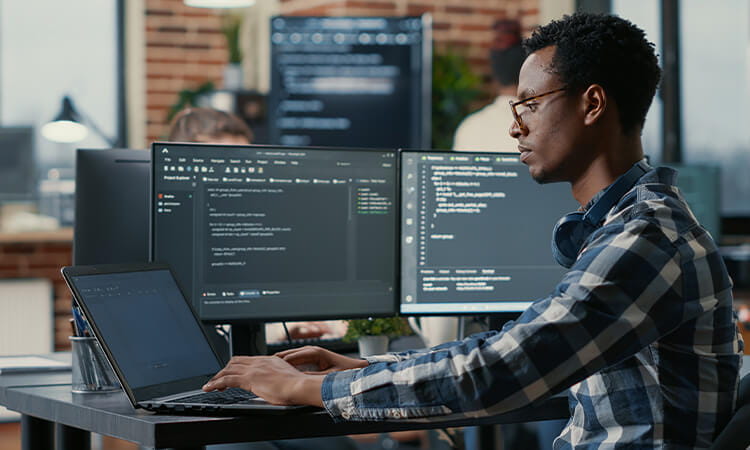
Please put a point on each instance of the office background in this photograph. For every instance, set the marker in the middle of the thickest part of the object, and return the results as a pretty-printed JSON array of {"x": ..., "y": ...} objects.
[{"x": 125, "y": 64}]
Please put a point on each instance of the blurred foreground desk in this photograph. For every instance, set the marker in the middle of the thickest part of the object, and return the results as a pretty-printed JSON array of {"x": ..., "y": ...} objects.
[{"x": 52, "y": 415}]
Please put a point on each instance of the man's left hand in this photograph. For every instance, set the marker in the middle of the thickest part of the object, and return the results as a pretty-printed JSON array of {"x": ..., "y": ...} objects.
[{"x": 270, "y": 378}]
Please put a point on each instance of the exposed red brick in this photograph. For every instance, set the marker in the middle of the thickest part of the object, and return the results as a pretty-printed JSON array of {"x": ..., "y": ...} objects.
[
  {"x": 370, "y": 5},
  {"x": 459, "y": 9},
  {"x": 458, "y": 43},
  {"x": 159, "y": 12},
  {"x": 196, "y": 46},
  {"x": 474, "y": 27},
  {"x": 419, "y": 9},
  {"x": 160, "y": 45},
  {"x": 497, "y": 13},
  {"x": 14, "y": 249},
  {"x": 204, "y": 30},
  {"x": 171, "y": 29},
  {"x": 195, "y": 13}
]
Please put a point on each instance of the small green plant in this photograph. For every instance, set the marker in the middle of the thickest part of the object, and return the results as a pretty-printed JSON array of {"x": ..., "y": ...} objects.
[
  {"x": 188, "y": 97},
  {"x": 454, "y": 88},
  {"x": 383, "y": 326},
  {"x": 231, "y": 23}
]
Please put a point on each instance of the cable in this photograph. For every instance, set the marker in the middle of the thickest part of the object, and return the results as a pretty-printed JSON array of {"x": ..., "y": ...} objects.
[{"x": 286, "y": 330}]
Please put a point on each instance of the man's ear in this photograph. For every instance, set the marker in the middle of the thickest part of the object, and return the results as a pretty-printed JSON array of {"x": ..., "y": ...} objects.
[{"x": 594, "y": 104}]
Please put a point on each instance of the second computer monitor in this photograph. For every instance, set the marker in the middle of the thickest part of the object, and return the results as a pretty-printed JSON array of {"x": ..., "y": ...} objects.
[
  {"x": 111, "y": 206},
  {"x": 476, "y": 232},
  {"x": 277, "y": 233}
]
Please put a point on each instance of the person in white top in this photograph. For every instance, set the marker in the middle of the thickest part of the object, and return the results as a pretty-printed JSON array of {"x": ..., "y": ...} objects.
[{"x": 487, "y": 128}]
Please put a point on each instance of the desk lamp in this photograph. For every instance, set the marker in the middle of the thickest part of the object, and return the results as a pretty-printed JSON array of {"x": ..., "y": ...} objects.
[{"x": 71, "y": 126}]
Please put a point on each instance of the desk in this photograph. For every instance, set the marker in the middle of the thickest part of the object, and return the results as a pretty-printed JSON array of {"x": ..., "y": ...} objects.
[{"x": 46, "y": 403}]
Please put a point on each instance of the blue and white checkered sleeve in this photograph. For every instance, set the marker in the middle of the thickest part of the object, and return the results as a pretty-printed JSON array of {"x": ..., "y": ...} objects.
[{"x": 622, "y": 294}]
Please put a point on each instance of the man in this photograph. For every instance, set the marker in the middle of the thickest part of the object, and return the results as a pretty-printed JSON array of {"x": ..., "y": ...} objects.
[
  {"x": 640, "y": 329},
  {"x": 480, "y": 130}
]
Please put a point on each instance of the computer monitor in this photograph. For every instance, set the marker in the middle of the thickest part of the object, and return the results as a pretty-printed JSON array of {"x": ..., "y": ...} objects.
[
  {"x": 343, "y": 81},
  {"x": 263, "y": 233},
  {"x": 700, "y": 184},
  {"x": 475, "y": 233},
  {"x": 17, "y": 172},
  {"x": 111, "y": 206}
]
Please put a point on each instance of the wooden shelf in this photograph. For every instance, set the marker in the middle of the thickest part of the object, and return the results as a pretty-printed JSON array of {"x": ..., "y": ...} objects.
[{"x": 59, "y": 235}]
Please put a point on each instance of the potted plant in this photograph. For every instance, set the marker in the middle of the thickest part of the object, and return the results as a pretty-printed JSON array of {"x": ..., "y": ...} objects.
[
  {"x": 230, "y": 27},
  {"x": 454, "y": 89},
  {"x": 372, "y": 334}
]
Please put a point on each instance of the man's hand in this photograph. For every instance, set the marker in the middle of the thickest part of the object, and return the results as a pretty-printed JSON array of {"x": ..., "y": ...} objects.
[
  {"x": 325, "y": 360},
  {"x": 270, "y": 378}
]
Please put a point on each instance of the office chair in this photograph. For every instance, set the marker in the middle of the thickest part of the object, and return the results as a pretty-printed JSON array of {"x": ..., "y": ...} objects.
[{"x": 736, "y": 435}]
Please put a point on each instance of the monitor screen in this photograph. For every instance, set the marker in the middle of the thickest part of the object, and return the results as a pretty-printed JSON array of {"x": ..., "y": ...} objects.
[
  {"x": 277, "y": 233},
  {"x": 111, "y": 206},
  {"x": 341, "y": 81},
  {"x": 475, "y": 233},
  {"x": 700, "y": 185},
  {"x": 17, "y": 171}
]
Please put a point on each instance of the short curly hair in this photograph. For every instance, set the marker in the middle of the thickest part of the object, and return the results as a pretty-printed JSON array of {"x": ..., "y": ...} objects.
[{"x": 605, "y": 50}]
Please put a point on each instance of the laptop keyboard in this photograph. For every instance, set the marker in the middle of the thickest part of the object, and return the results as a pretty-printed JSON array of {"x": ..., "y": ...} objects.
[{"x": 227, "y": 397}]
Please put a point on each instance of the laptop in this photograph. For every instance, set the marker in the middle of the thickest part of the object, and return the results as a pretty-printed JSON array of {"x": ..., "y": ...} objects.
[{"x": 154, "y": 341}]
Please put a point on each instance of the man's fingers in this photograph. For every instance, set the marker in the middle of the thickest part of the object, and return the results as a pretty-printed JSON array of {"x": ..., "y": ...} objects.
[
  {"x": 299, "y": 357},
  {"x": 306, "y": 348},
  {"x": 318, "y": 372},
  {"x": 244, "y": 360},
  {"x": 229, "y": 369},
  {"x": 224, "y": 382}
]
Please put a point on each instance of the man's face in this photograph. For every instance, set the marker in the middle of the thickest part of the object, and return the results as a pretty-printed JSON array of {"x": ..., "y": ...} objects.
[{"x": 552, "y": 126}]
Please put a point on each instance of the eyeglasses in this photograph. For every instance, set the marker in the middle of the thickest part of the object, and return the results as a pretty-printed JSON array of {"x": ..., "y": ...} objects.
[{"x": 513, "y": 104}]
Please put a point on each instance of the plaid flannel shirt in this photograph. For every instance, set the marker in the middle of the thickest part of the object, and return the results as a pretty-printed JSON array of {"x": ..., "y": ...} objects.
[{"x": 641, "y": 329}]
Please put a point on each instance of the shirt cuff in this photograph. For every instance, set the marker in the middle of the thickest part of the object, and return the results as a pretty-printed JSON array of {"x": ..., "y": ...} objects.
[
  {"x": 336, "y": 393},
  {"x": 387, "y": 357}
]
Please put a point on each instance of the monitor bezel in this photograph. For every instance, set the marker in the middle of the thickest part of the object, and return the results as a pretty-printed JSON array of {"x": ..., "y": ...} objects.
[{"x": 266, "y": 319}]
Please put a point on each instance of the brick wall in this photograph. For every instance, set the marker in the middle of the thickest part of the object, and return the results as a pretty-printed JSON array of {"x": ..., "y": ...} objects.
[
  {"x": 185, "y": 48},
  {"x": 42, "y": 260}
]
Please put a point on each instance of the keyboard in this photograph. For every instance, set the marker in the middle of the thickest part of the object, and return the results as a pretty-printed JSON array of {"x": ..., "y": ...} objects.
[
  {"x": 226, "y": 397},
  {"x": 333, "y": 344}
]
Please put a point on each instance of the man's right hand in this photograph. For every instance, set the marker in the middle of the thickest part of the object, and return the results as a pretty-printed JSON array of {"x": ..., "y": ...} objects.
[{"x": 324, "y": 360}]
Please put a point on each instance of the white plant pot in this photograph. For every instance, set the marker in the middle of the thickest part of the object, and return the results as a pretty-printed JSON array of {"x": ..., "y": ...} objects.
[
  {"x": 372, "y": 345},
  {"x": 233, "y": 77}
]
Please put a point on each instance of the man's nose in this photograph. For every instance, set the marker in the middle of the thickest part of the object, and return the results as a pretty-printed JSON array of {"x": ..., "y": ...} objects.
[{"x": 516, "y": 130}]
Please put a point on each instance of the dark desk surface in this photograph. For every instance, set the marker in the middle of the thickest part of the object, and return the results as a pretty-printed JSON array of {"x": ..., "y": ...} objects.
[
  {"x": 47, "y": 396},
  {"x": 111, "y": 414}
]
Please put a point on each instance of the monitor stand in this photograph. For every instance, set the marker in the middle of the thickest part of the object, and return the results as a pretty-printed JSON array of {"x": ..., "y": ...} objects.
[
  {"x": 248, "y": 339},
  {"x": 497, "y": 321}
]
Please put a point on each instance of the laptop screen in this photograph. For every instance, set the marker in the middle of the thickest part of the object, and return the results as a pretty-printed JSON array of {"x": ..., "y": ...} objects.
[{"x": 147, "y": 325}]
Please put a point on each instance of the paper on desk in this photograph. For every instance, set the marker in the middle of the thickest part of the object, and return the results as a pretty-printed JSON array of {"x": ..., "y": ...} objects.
[{"x": 23, "y": 364}]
